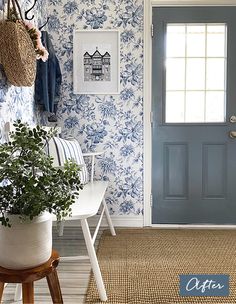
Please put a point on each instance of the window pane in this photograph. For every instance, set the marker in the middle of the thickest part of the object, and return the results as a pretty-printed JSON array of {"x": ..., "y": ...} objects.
[
  {"x": 175, "y": 74},
  {"x": 195, "y": 78},
  {"x": 215, "y": 106},
  {"x": 216, "y": 28},
  {"x": 175, "y": 44},
  {"x": 215, "y": 45},
  {"x": 216, "y": 36},
  {"x": 195, "y": 107},
  {"x": 215, "y": 74},
  {"x": 196, "y": 28},
  {"x": 196, "y": 41},
  {"x": 175, "y": 107}
]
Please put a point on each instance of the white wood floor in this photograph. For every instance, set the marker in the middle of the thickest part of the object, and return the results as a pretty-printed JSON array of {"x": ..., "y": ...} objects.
[{"x": 73, "y": 276}]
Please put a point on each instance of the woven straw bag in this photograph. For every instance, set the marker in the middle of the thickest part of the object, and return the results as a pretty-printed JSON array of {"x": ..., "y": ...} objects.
[{"x": 17, "y": 54}]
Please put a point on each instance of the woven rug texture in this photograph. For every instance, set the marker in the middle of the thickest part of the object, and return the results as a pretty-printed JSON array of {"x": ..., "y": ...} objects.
[{"x": 142, "y": 266}]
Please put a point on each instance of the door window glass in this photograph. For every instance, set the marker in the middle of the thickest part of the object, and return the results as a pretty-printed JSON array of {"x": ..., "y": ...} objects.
[{"x": 196, "y": 58}]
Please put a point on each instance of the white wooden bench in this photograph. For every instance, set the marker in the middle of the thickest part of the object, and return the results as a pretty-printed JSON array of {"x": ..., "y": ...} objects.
[{"x": 91, "y": 199}]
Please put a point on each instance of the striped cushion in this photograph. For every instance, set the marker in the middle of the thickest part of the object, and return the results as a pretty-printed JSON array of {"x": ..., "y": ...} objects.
[{"x": 62, "y": 150}]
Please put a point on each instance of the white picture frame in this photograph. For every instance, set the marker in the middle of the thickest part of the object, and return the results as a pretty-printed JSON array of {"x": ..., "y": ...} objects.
[{"x": 96, "y": 62}]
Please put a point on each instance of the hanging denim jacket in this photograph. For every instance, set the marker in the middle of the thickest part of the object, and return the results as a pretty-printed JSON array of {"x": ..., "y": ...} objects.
[
  {"x": 2, "y": 2},
  {"x": 48, "y": 78}
]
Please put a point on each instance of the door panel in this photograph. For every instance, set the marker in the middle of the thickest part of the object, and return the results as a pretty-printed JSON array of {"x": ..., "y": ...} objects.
[
  {"x": 214, "y": 171},
  {"x": 193, "y": 157},
  {"x": 175, "y": 171}
]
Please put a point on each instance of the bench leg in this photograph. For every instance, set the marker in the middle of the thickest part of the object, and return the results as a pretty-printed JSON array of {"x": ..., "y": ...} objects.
[
  {"x": 60, "y": 227},
  {"x": 108, "y": 217},
  {"x": 1, "y": 290},
  {"x": 93, "y": 260},
  {"x": 18, "y": 293}
]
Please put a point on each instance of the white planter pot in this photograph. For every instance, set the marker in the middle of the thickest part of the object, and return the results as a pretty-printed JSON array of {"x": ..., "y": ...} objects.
[{"x": 27, "y": 243}]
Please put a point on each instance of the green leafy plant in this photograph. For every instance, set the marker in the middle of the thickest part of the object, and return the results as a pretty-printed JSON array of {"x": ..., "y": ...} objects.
[{"x": 30, "y": 184}]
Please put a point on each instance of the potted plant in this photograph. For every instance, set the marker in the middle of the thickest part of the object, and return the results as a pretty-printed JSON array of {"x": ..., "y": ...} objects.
[{"x": 31, "y": 190}]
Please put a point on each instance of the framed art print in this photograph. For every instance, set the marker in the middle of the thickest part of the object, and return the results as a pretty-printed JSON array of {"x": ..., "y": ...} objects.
[{"x": 96, "y": 62}]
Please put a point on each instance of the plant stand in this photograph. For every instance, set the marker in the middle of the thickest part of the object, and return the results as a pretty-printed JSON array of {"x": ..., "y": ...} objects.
[{"x": 27, "y": 277}]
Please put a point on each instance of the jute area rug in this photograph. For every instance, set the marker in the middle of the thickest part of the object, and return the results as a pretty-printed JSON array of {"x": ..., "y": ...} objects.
[{"x": 142, "y": 266}]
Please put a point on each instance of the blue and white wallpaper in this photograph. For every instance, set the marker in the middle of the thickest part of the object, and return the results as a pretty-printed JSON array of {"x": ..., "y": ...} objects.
[
  {"x": 110, "y": 123},
  {"x": 18, "y": 102}
]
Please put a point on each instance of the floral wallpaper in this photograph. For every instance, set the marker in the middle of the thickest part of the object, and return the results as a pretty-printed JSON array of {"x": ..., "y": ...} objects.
[
  {"x": 103, "y": 122},
  {"x": 18, "y": 102}
]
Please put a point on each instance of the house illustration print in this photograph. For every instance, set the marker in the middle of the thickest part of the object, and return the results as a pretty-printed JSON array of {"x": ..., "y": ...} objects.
[{"x": 97, "y": 67}]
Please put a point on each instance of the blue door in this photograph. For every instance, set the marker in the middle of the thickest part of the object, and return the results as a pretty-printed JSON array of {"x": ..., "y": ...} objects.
[{"x": 194, "y": 115}]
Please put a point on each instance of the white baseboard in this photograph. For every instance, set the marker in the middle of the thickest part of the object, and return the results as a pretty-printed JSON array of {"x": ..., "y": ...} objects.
[
  {"x": 203, "y": 226},
  {"x": 136, "y": 221},
  {"x": 118, "y": 221}
]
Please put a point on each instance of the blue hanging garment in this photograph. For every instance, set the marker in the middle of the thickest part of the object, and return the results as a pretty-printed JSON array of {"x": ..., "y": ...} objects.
[
  {"x": 48, "y": 79},
  {"x": 2, "y": 2}
]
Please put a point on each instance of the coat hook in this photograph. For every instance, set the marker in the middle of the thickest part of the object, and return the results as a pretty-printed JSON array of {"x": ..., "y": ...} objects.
[
  {"x": 40, "y": 28},
  {"x": 27, "y": 12}
]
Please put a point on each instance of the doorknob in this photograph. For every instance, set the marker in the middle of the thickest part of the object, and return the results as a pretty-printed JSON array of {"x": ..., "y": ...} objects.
[
  {"x": 232, "y": 134},
  {"x": 232, "y": 119}
]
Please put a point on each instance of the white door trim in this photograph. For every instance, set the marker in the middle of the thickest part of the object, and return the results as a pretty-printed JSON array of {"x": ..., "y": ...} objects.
[{"x": 148, "y": 5}]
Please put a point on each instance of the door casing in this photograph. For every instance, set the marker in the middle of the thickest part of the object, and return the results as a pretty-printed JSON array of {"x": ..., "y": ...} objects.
[{"x": 148, "y": 5}]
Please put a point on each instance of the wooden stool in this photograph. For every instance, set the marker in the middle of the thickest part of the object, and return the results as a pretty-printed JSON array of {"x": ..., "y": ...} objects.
[{"x": 28, "y": 276}]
